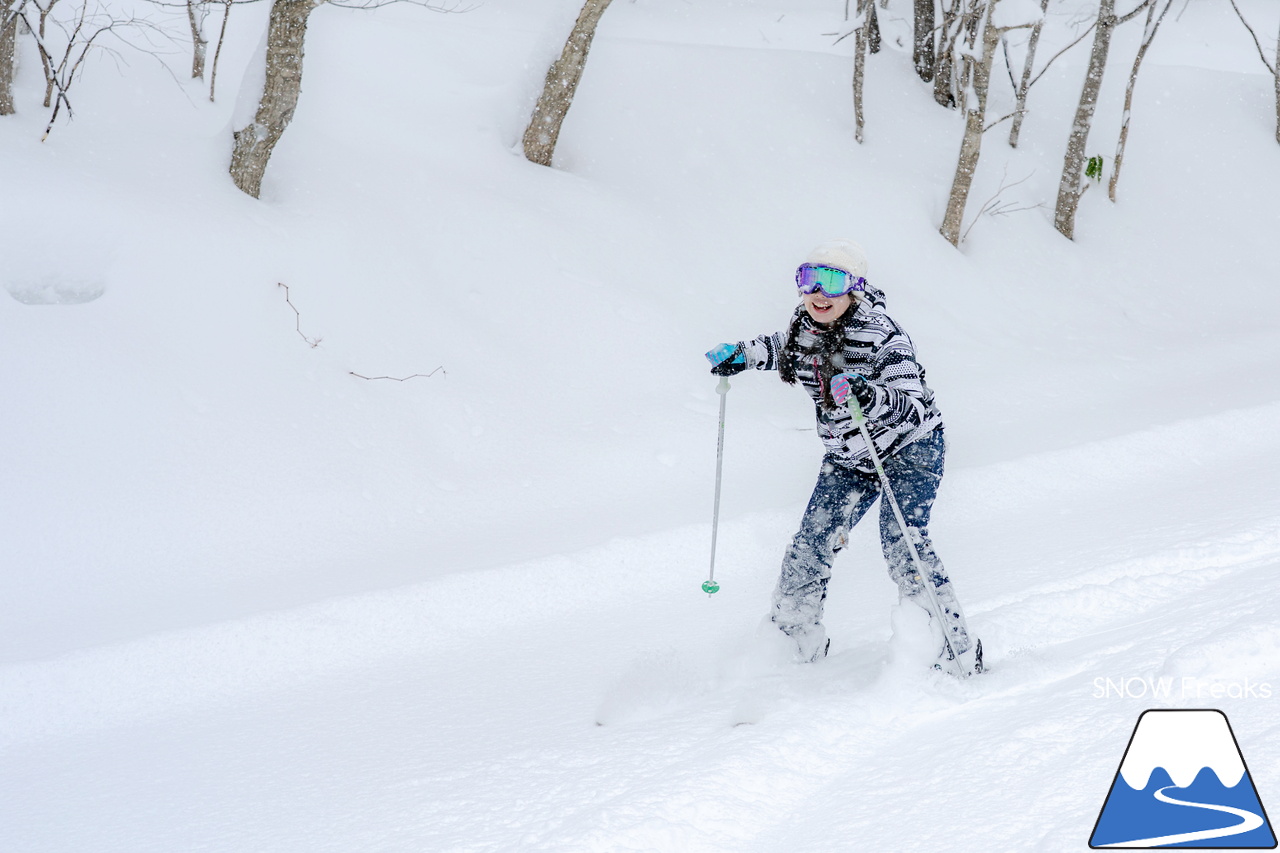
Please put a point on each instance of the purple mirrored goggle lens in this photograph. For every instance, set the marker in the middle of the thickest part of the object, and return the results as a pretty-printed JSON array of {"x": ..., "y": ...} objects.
[{"x": 833, "y": 282}]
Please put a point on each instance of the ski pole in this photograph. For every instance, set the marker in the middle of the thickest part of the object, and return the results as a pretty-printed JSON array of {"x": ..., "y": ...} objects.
[
  {"x": 710, "y": 586},
  {"x": 925, "y": 581}
]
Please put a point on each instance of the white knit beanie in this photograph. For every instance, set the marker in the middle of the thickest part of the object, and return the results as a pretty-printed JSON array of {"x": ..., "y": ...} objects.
[{"x": 842, "y": 254}]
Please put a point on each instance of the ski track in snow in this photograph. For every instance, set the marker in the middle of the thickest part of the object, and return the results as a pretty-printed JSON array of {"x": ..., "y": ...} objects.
[{"x": 399, "y": 720}]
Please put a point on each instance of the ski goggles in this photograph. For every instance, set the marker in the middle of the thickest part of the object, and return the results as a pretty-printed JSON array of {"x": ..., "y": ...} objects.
[{"x": 810, "y": 278}]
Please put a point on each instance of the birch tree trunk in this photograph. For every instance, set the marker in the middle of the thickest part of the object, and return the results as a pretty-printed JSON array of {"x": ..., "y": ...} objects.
[
  {"x": 1278, "y": 87},
  {"x": 217, "y": 53},
  {"x": 944, "y": 69},
  {"x": 1069, "y": 188},
  {"x": 543, "y": 132},
  {"x": 873, "y": 28},
  {"x": 286, "y": 34},
  {"x": 46, "y": 60},
  {"x": 196, "y": 12},
  {"x": 923, "y": 54},
  {"x": 1148, "y": 36},
  {"x": 979, "y": 76},
  {"x": 8, "y": 40},
  {"x": 1024, "y": 85},
  {"x": 860, "y": 65}
]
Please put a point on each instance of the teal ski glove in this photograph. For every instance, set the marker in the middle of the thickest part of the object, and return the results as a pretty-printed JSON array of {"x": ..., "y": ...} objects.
[{"x": 727, "y": 359}]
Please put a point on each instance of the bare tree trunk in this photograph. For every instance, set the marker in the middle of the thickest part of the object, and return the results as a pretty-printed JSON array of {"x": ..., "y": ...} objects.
[
  {"x": 543, "y": 132},
  {"x": 1069, "y": 188},
  {"x": 923, "y": 52},
  {"x": 8, "y": 40},
  {"x": 196, "y": 12},
  {"x": 286, "y": 34},
  {"x": 1278, "y": 87},
  {"x": 1148, "y": 36},
  {"x": 944, "y": 69},
  {"x": 217, "y": 53},
  {"x": 46, "y": 60},
  {"x": 859, "y": 66},
  {"x": 1024, "y": 85},
  {"x": 873, "y": 28},
  {"x": 979, "y": 76}
]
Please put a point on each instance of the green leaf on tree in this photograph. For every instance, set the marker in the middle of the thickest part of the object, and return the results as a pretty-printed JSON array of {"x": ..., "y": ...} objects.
[{"x": 1094, "y": 170}]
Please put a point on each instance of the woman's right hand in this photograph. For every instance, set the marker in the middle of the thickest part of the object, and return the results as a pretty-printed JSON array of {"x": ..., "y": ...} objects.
[{"x": 727, "y": 359}]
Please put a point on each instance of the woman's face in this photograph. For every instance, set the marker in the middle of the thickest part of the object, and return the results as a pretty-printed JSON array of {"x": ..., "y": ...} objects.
[{"x": 826, "y": 309}]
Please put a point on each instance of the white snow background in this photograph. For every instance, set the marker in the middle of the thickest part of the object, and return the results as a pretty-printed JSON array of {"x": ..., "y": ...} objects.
[{"x": 251, "y": 602}]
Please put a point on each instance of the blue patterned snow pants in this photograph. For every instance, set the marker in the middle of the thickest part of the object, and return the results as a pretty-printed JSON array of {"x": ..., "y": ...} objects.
[{"x": 840, "y": 499}]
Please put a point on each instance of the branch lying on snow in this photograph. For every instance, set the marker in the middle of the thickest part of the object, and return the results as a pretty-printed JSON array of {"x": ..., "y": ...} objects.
[
  {"x": 315, "y": 342},
  {"x": 312, "y": 342},
  {"x": 439, "y": 369}
]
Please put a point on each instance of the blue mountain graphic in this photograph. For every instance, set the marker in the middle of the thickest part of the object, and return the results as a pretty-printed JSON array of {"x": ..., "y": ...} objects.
[{"x": 1130, "y": 814}]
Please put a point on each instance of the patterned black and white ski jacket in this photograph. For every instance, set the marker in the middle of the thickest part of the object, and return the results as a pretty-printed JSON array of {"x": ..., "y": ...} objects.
[{"x": 877, "y": 348}]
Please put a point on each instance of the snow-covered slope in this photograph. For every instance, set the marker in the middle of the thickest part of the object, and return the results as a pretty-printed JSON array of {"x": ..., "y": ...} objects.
[
  {"x": 250, "y": 601},
  {"x": 401, "y": 721}
]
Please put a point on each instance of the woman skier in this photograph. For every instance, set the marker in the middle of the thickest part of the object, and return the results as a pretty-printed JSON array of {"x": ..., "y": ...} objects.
[{"x": 851, "y": 357}]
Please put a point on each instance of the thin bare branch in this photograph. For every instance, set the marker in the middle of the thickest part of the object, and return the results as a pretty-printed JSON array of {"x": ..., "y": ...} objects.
[
  {"x": 1141, "y": 7},
  {"x": 61, "y": 73},
  {"x": 315, "y": 342},
  {"x": 1055, "y": 57},
  {"x": 311, "y": 342},
  {"x": 1262, "y": 55},
  {"x": 993, "y": 207},
  {"x": 1000, "y": 121},
  {"x": 439, "y": 369}
]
